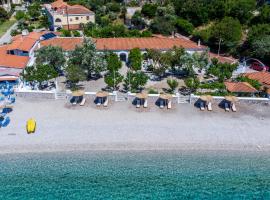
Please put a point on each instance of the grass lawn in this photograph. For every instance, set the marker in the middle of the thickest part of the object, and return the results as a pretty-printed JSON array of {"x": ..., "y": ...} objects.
[{"x": 5, "y": 25}]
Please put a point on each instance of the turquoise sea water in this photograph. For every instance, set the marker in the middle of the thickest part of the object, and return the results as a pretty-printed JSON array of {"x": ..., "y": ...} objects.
[{"x": 135, "y": 175}]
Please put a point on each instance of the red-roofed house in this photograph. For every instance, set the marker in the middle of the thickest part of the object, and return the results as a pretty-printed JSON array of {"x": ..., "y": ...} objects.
[
  {"x": 122, "y": 46},
  {"x": 16, "y": 56},
  {"x": 240, "y": 87},
  {"x": 62, "y": 15},
  {"x": 263, "y": 77}
]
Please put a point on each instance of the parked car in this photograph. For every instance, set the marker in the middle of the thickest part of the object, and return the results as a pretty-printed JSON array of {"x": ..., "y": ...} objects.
[{"x": 259, "y": 67}]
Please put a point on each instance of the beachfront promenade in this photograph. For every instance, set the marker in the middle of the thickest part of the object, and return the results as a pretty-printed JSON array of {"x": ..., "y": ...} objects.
[{"x": 61, "y": 127}]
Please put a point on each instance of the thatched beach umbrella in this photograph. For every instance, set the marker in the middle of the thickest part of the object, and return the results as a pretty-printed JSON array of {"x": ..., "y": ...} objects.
[
  {"x": 102, "y": 94},
  {"x": 142, "y": 95},
  {"x": 77, "y": 93},
  {"x": 231, "y": 98},
  {"x": 165, "y": 96},
  {"x": 206, "y": 98}
]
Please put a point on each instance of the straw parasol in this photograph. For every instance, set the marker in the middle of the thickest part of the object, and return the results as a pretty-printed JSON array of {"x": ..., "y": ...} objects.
[
  {"x": 102, "y": 94},
  {"x": 165, "y": 96},
  {"x": 231, "y": 98},
  {"x": 78, "y": 93},
  {"x": 204, "y": 98},
  {"x": 142, "y": 95}
]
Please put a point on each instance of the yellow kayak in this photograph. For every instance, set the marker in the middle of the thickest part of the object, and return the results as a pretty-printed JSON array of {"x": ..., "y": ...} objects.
[{"x": 31, "y": 126}]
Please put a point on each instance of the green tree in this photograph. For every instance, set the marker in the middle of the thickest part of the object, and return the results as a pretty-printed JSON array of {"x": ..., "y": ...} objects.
[
  {"x": 51, "y": 55},
  {"x": 261, "y": 47},
  {"x": 113, "y": 62},
  {"x": 221, "y": 70},
  {"x": 192, "y": 83},
  {"x": 135, "y": 81},
  {"x": 74, "y": 75},
  {"x": 20, "y": 15},
  {"x": 184, "y": 26},
  {"x": 242, "y": 10},
  {"x": 138, "y": 21},
  {"x": 135, "y": 59},
  {"x": 88, "y": 59},
  {"x": 173, "y": 84},
  {"x": 149, "y": 10},
  {"x": 163, "y": 25},
  {"x": 34, "y": 10},
  {"x": 39, "y": 73},
  {"x": 113, "y": 79},
  {"x": 3, "y": 14},
  {"x": 227, "y": 33}
]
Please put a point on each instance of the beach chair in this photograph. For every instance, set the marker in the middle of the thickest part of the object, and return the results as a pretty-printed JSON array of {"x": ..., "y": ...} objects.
[
  {"x": 209, "y": 106},
  {"x": 233, "y": 107},
  {"x": 106, "y": 102},
  {"x": 145, "y": 104},
  {"x": 227, "y": 107},
  {"x": 83, "y": 102},
  {"x": 98, "y": 101},
  {"x": 161, "y": 104},
  {"x": 169, "y": 106},
  {"x": 138, "y": 105},
  {"x": 202, "y": 106}
]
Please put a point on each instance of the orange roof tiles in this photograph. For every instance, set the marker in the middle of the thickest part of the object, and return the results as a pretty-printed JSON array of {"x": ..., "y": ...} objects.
[
  {"x": 144, "y": 43},
  {"x": 262, "y": 77},
  {"x": 23, "y": 43},
  {"x": 77, "y": 9},
  {"x": 125, "y": 44},
  {"x": 223, "y": 59},
  {"x": 239, "y": 87},
  {"x": 58, "y": 4},
  {"x": 12, "y": 61},
  {"x": 67, "y": 44}
]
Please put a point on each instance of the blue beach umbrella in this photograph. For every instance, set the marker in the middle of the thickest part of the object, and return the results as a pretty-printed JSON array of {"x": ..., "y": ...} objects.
[{"x": 5, "y": 122}]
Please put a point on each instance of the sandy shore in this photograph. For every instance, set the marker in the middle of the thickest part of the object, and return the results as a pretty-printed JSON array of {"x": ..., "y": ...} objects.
[{"x": 123, "y": 127}]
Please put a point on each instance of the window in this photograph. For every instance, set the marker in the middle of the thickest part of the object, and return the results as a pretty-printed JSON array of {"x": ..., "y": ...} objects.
[
  {"x": 87, "y": 17},
  {"x": 77, "y": 18},
  {"x": 58, "y": 20}
]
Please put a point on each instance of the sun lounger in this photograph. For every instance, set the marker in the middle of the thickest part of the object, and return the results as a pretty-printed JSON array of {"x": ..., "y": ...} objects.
[
  {"x": 202, "y": 106},
  {"x": 106, "y": 102},
  {"x": 227, "y": 107},
  {"x": 138, "y": 103},
  {"x": 83, "y": 102},
  {"x": 169, "y": 105},
  {"x": 161, "y": 104},
  {"x": 145, "y": 104},
  {"x": 233, "y": 107},
  {"x": 209, "y": 106}
]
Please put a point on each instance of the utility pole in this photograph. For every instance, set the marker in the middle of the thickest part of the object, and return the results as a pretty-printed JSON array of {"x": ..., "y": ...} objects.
[{"x": 67, "y": 17}]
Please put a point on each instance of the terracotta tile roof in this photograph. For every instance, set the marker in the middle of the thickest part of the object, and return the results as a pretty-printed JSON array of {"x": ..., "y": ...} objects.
[
  {"x": 223, "y": 59},
  {"x": 124, "y": 44},
  {"x": 117, "y": 44},
  {"x": 239, "y": 87},
  {"x": 58, "y": 4},
  {"x": 67, "y": 44},
  {"x": 263, "y": 77},
  {"x": 23, "y": 43},
  {"x": 12, "y": 61},
  {"x": 77, "y": 9}
]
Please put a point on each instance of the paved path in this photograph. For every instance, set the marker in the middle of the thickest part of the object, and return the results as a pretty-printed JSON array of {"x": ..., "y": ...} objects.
[{"x": 6, "y": 38}]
